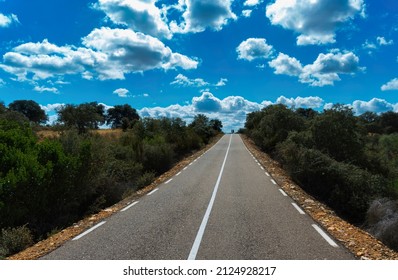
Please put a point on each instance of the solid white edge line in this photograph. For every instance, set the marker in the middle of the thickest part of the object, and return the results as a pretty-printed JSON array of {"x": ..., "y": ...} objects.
[
  {"x": 129, "y": 206},
  {"x": 88, "y": 231},
  {"x": 282, "y": 192},
  {"x": 273, "y": 181},
  {"x": 155, "y": 190},
  {"x": 298, "y": 208},
  {"x": 325, "y": 236},
  {"x": 199, "y": 235}
]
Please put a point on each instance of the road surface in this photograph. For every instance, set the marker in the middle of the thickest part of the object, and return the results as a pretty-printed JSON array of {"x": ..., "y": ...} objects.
[{"x": 224, "y": 205}]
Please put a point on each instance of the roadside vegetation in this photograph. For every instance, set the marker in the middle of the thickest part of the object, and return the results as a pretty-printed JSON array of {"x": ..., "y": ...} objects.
[
  {"x": 348, "y": 162},
  {"x": 48, "y": 183}
]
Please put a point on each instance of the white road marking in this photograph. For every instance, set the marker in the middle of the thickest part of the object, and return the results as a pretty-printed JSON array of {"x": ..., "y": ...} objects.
[
  {"x": 266, "y": 173},
  {"x": 152, "y": 192},
  {"x": 258, "y": 164},
  {"x": 262, "y": 167},
  {"x": 199, "y": 235},
  {"x": 168, "y": 181},
  {"x": 185, "y": 168},
  {"x": 88, "y": 231},
  {"x": 190, "y": 164},
  {"x": 325, "y": 236},
  {"x": 298, "y": 209},
  {"x": 178, "y": 173},
  {"x": 284, "y": 194},
  {"x": 129, "y": 206},
  {"x": 273, "y": 181}
]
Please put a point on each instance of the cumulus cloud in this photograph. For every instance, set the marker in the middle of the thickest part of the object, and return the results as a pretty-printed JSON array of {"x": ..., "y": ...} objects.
[
  {"x": 301, "y": 102},
  {"x": 252, "y": 3},
  {"x": 184, "y": 81},
  {"x": 391, "y": 85},
  {"x": 324, "y": 71},
  {"x": 129, "y": 52},
  {"x": 315, "y": 20},
  {"x": 200, "y": 15},
  {"x": 7, "y": 20},
  {"x": 139, "y": 15},
  {"x": 108, "y": 54},
  {"x": 121, "y": 92},
  {"x": 375, "y": 105},
  {"x": 254, "y": 48}
]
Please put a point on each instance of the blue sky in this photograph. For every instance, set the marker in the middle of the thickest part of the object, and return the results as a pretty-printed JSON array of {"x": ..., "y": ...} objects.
[{"x": 178, "y": 58}]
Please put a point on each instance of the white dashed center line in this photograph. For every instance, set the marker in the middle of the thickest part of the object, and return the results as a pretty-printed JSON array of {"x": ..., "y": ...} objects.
[
  {"x": 88, "y": 231},
  {"x": 325, "y": 236},
  {"x": 298, "y": 209}
]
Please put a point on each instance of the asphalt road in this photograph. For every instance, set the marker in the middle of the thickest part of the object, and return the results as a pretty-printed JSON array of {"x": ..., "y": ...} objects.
[{"x": 224, "y": 205}]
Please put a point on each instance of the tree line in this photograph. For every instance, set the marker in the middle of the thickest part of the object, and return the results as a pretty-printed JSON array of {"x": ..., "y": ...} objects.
[
  {"x": 349, "y": 162},
  {"x": 48, "y": 184}
]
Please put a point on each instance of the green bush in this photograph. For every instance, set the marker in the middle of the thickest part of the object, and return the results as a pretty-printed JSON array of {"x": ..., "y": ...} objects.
[{"x": 13, "y": 240}]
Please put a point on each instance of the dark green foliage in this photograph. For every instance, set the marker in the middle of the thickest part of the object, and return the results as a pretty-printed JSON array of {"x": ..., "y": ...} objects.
[
  {"x": 334, "y": 155},
  {"x": 82, "y": 117},
  {"x": 30, "y": 109},
  {"x": 121, "y": 116},
  {"x": 336, "y": 133}
]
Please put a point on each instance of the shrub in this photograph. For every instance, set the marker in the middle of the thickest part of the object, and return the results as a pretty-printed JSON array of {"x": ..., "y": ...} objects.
[
  {"x": 13, "y": 240},
  {"x": 382, "y": 221}
]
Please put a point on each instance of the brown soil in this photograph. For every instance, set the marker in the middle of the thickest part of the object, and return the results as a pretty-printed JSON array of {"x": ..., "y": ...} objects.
[{"x": 360, "y": 243}]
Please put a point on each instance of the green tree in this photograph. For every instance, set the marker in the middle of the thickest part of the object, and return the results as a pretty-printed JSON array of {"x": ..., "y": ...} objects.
[
  {"x": 336, "y": 133},
  {"x": 121, "y": 116},
  {"x": 216, "y": 125},
  {"x": 29, "y": 109},
  {"x": 82, "y": 117},
  {"x": 389, "y": 122}
]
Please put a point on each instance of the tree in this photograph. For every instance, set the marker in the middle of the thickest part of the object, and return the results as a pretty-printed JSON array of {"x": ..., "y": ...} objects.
[
  {"x": 121, "y": 116},
  {"x": 82, "y": 117},
  {"x": 389, "y": 122},
  {"x": 336, "y": 133},
  {"x": 216, "y": 125},
  {"x": 29, "y": 109}
]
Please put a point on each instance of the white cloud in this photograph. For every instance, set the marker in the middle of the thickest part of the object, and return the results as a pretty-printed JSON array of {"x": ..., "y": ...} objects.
[
  {"x": 324, "y": 71},
  {"x": 184, "y": 81},
  {"x": 391, "y": 85},
  {"x": 375, "y": 105},
  {"x": 51, "y": 107},
  {"x": 380, "y": 41},
  {"x": 200, "y": 15},
  {"x": 139, "y": 15},
  {"x": 45, "y": 60},
  {"x": 247, "y": 13},
  {"x": 252, "y": 3},
  {"x": 45, "y": 89},
  {"x": 108, "y": 54},
  {"x": 222, "y": 82},
  {"x": 286, "y": 65},
  {"x": 121, "y": 92},
  {"x": 301, "y": 102},
  {"x": 7, "y": 20},
  {"x": 254, "y": 48},
  {"x": 315, "y": 20},
  {"x": 383, "y": 42}
]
